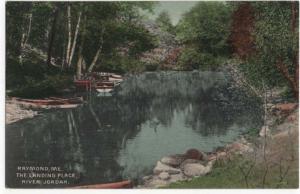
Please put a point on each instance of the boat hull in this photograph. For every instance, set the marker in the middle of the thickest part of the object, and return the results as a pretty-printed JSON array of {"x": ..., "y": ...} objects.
[
  {"x": 104, "y": 90},
  {"x": 117, "y": 185}
]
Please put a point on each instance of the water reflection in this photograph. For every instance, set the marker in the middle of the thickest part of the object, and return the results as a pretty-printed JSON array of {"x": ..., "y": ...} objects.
[{"x": 150, "y": 115}]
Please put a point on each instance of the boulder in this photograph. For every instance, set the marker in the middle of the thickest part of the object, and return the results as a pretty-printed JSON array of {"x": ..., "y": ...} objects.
[
  {"x": 156, "y": 183},
  {"x": 240, "y": 148},
  {"x": 264, "y": 131},
  {"x": 292, "y": 118},
  {"x": 191, "y": 161},
  {"x": 195, "y": 154},
  {"x": 173, "y": 160},
  {"x": 197, "y": 169},
  {"x": 146, "y": 178},
  {"x": 160, "y": 167},
  {"x": 164, "y": 176},
  {"x": 177, "y": 177},
  {"x": 212, "y": 157}
]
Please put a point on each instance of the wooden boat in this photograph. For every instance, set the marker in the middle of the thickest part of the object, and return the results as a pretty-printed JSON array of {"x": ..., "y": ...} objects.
[
  {"x": 82, "y": 82},
  {"x": 42, "y": 106},
  {"x": 86, "y": 84},
  {"x": 106, "y": 83},
  {"x": 116, "y": 76},
  {"x": 104, "y": 88},
  {"x": 51, "y": 102},
  {"x": 112, "y": 79},
  {"x": 116, "y": 185}
]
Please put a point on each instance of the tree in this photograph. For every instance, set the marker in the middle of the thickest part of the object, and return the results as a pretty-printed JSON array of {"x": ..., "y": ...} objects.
[
  {"x": 163, "y": 20},
  {"x": 73, "y": 35},
  {"x": 275, "y": 43},
  {"x": 52, "y": 35},
  {"x": 206, "y": 28}
]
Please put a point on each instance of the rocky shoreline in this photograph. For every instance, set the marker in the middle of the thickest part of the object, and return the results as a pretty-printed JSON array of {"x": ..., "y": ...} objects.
[
  {"x": 194, "y": 163},
  {"x": 15, "y": 112}
]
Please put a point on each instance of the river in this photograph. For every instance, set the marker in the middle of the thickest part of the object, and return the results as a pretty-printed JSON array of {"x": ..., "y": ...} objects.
[{"x": 118, "y": 137}]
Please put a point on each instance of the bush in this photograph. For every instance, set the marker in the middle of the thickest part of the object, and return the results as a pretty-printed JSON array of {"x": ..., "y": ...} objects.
[
  {"x": 120, "y": 64},
  {"x": 191, "y": 58},
  {"x": 151, "y": 67},
  {"x": 52, "y": 85}
]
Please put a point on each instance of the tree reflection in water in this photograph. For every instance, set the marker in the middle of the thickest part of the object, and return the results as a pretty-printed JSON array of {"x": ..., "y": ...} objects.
[{"x": 150, "y": 115}]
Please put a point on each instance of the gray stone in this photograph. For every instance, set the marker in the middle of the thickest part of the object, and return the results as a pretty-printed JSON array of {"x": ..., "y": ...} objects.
[
  {"x": 173, "y": 160},
  {"x": 264, "y": 131},
  {"x": 177, "y": 177},
  {"x": 164, "y": 176},
  {"x": 156, "y": 183},
  {"x": 145, "y": 178},
  {"x": 160, "y": 167},
  {"x": 191, "y": 161},
  {"x": 197, "y": 169}
]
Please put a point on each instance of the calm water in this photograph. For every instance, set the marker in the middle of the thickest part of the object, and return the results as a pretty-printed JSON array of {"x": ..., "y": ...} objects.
[{"x": 121, "y": 137}]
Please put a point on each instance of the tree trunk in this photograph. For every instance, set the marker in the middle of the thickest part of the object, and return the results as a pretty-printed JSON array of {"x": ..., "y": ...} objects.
[
  {"x": 79, "y": 66},
  {"x": 91, "y": 67},
  {"x": 292, "y": 80},
  {"x": 63, "y": 57},
  {"x": 294, "y": 15},
  {"x": 83, "y": 65},
  {"x": 80, "y": 57},
  {"x": 21, "y": 49},
  {"x": 69, "y": 34},
  {"x": 25, "y": 36},
  {"x": 74, "y": 40},
  {"x": 28, "y": 30},
  {"x": 52, "y": 36}
]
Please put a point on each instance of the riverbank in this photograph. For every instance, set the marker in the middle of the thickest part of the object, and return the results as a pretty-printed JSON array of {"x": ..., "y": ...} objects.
[
  {"x": 15, "y": 112},
  {"x": 268, "y": 159},
  {"x": 272, "y": 164}
]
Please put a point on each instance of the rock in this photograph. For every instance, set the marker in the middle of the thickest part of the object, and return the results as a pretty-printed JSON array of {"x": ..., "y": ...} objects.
[
  {"x": 15, "y": 112},
  {"x": 164, "y": 176},
  {"x": 177, "y": 177},
  {"x": 264, "y": 131},
  {"x": 156, "y": 183},
  {"x": 211, "y": 157},
  {"x": 173, "y": 160},
  {"x": 195, "y": 154},
  {"x": 221, "y": 156},
  {"x": 292, "y": 118},
  {"x": 191, "y": 161},
  {"x": 286, "y": 107},
  {"x": 197, "y": 169},
  {"x": 240, "y": 148},
  {"x": 145, "y": 178},
  {"x": 160, "y": 167}
]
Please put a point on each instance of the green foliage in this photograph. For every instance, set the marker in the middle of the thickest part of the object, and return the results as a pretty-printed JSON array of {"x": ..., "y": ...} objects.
[
  {"x": 206, "y": 29},
  {"x": 192, "y": 58},
  {"x": 16, "y": 14},
  {"x": 254, "y": 132},
  {"x": 51, "y": 85},
  {"x": 274, "y": 42},
  {"x": 121, "y": 64},
  {"x": 163, "y": 20},
  {"x": 106, "y": 25},
  {"x": 151, "y": 67}
]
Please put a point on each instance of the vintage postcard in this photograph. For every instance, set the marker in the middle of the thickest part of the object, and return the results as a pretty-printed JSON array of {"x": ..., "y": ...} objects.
[{"x": 152, "y": 94}]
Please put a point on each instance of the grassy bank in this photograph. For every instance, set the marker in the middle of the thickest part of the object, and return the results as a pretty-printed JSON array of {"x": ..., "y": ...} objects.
[
  {"x": 274, "y": 163},
  {"x": 229, "y": 175}
]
